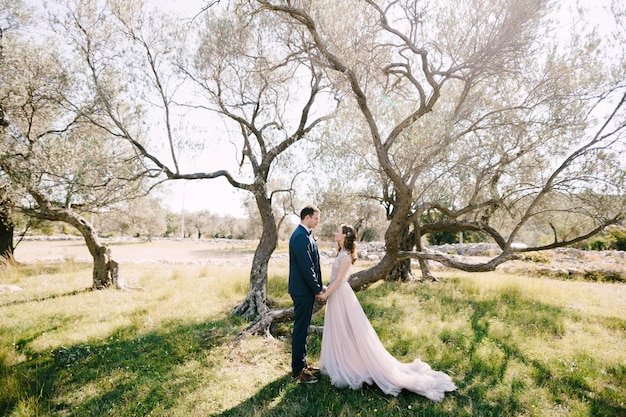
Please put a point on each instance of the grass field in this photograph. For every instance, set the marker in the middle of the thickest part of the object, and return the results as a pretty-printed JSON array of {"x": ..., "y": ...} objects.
[{"x": 514, "y": 345}]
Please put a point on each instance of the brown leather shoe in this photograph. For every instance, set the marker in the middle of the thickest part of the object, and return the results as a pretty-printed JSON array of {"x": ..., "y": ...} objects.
[
  {"x": 305, "y": 377},
  {"x": 310, "y": 368}
]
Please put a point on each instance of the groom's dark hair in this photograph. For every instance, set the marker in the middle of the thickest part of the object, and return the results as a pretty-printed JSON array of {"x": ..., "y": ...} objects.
[{"x": 308, "y": 211}]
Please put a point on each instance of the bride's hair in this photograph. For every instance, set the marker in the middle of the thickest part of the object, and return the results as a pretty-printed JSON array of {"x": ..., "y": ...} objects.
[{"x": 349, "y": 243}]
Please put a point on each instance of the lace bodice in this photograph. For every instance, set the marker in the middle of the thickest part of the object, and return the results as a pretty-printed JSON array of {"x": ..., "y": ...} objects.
[{"x": 335, "y": 267}]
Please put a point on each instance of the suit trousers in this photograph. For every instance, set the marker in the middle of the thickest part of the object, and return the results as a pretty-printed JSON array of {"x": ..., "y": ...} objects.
[{"x": 303, "y": 310}]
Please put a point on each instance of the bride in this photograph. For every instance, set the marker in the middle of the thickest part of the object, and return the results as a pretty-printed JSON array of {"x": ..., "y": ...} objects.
[{"x": 352, "y": 353}]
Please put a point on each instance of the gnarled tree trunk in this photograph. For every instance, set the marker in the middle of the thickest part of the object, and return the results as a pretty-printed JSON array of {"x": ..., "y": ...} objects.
[
  {"x": 256, "y": 300},
  {"x": 401, "y": 271},
  {"x": 101, "y": 277},
  {"x": 411, "y": 239},
  {"x": 6, "y": 239},
  {"x": 6, "y": 227}
]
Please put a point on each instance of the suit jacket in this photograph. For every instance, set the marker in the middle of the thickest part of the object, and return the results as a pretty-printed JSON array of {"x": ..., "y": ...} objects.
[{"x": 305, "y": 275}]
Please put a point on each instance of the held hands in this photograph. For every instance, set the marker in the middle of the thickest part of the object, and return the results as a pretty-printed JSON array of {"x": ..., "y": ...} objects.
[{"x": 322, "y": 295}]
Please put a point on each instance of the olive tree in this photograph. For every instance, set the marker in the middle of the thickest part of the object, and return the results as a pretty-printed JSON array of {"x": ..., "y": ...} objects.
[
  {"x": 480, "y": 120},
  {"x": 11, "y": 12},
  {"x": 57, "y": 165},
  {"x": 235, "y": 70},
  {"x": 490, "y": 126}
]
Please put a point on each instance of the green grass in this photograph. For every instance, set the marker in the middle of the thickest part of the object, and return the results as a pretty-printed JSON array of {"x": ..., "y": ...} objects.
[{"x": 515, "y": 346}]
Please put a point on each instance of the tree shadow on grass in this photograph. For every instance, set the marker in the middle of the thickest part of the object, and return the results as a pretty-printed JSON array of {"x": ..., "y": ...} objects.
[
  {"x": 496, "y": 374},
  {"x": 149, "y": 374},
  {"x": 486, "y": 374},
  {"x": 286, "y": 398},
  {"x": 45, "y": 298},
  {"x": 125, "y": 374}
]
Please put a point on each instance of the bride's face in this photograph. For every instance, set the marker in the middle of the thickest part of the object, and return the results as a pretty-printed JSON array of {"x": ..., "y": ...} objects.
[{"x": 339, "y": 235}]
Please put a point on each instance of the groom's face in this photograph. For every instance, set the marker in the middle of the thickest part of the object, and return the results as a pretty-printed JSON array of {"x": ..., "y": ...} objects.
[{"x": 312, "y": 220}]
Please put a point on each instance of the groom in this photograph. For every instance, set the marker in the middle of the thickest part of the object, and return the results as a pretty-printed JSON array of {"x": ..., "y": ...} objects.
[{"x": 305, "y": 282}]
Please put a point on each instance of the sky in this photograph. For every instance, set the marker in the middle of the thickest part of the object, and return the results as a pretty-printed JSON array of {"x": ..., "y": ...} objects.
[{"x": 216, "y": 195}]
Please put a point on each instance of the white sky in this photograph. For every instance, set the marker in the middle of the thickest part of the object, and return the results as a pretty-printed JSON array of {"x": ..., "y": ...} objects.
[{"x": 216, "y": 195}]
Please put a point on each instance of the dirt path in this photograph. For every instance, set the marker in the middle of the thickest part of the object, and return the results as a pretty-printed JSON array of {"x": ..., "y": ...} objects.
[
  {"x": 562, "y": 263},
  {"x": 136, "y": 250}
]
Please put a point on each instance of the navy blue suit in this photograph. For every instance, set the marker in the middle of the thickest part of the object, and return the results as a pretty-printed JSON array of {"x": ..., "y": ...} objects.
[{"x": 305, "y": 282}]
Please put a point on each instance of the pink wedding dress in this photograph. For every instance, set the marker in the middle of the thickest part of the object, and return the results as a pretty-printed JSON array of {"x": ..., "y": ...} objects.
[{"x": 352, "y": 353}]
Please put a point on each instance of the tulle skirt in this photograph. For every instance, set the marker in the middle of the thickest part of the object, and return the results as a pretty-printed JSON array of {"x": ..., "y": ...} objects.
[{"x": 352, "y": 354}]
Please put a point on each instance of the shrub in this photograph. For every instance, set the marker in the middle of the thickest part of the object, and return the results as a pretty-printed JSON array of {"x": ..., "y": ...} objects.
[
  {"x": 537, "y": 257},
  {"x": 618, "y": 237},
  {"x": 615, "y": 239},
  {"x": 370, "y": 235},
  {"x": 599, "y": 244}
]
